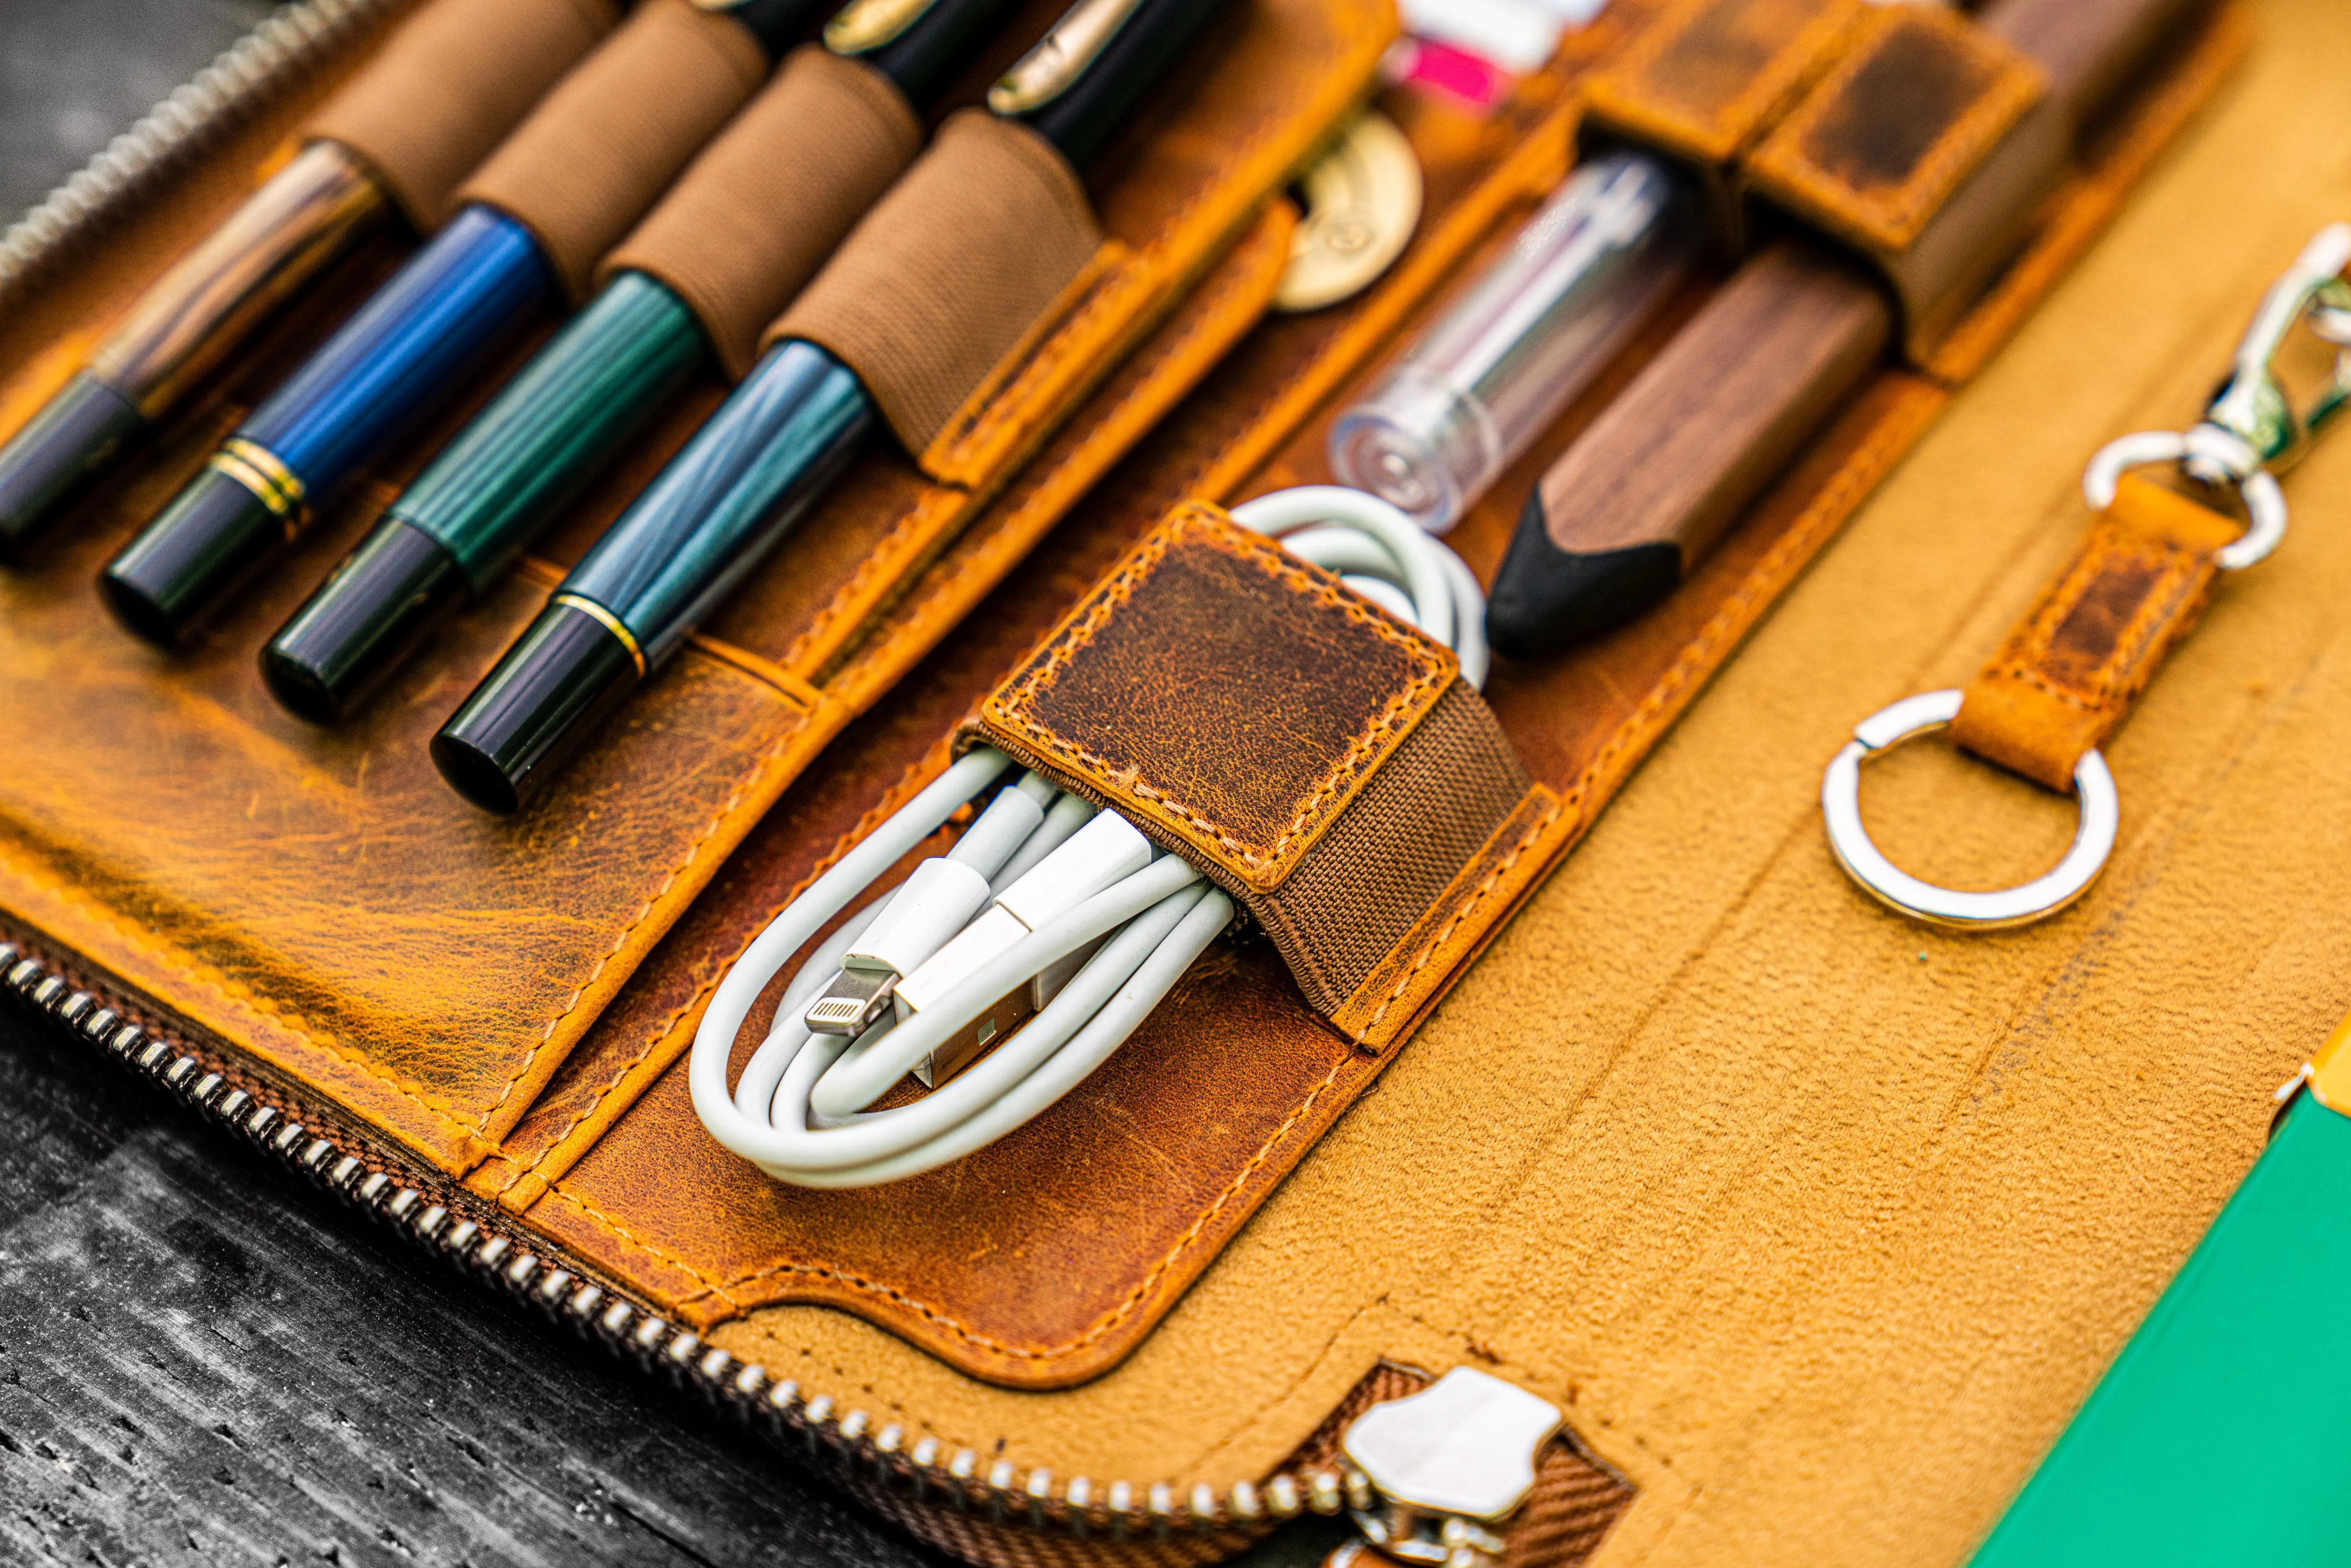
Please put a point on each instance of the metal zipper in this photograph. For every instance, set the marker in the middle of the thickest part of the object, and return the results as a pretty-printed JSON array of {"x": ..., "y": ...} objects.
[
  {"x": 440, "y": 1217},
  {"x": 250, "y": 70}
]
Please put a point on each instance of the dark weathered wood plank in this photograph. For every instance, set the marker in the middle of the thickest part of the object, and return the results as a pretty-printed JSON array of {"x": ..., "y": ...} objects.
[
  {"x": 74, "y": 74},
  {"x": 200, "y": 1362}
]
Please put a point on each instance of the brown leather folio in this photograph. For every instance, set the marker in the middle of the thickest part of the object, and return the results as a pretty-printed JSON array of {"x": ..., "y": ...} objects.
[{"x": 1127, "y": 1331}]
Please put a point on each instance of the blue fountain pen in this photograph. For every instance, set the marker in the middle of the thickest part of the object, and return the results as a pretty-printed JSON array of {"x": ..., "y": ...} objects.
[
  {"x": 471, "y": 288},
  {"x": 750, "y": 476}
]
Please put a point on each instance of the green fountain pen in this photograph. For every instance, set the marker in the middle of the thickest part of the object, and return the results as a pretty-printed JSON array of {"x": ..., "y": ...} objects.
[
  {"x": 455, "y": 532},
  {"x": 2218, "y": 1435}
]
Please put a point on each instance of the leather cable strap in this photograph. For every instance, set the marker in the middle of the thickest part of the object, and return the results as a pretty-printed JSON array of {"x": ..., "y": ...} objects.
[
  {"x": 2068, "y": 675},
  {"x": 1318, "y": 760}
]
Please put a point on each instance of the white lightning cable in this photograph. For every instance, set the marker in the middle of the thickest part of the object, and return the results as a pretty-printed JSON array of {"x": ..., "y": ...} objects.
[
  {"x": 1381, "y": 553},
  {"x": 1042, "y": 898}
]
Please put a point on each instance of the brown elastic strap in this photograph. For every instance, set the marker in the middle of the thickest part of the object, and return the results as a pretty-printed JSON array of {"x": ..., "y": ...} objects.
[
  {"x": 942, "y": 279},
  {"x": 449, "y": 86},
  {"x": 755, "y": 217},
  {"x": 1399, "y": 844},
  {"x": 2068, "y": 674},
  {"x": 608, "y": 140}
]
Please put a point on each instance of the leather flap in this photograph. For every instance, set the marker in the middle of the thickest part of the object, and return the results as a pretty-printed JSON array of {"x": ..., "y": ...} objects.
[
  {"x": 1709, "y": 78},
  {"x": 1879, "y": 145},
  {"x": 1227, "y": 698},
  {"x": 1309, "y": 752}
]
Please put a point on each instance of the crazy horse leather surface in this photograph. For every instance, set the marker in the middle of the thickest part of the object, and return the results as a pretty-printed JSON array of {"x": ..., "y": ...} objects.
[
  {"x": 322, "y": 901},
  {"x": 1047, "y": 1260},
  {"x": 1321, "y": 761}
]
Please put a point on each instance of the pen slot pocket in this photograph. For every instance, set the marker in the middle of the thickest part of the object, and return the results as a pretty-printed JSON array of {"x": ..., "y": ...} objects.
[
  {"x": 614, "y": 134},
  {"x": 1044, "y": 289},
  {"x": 956, "y": 267},
  {"x": 764, "y": 207},
  {"x": 448, "y": 85}
]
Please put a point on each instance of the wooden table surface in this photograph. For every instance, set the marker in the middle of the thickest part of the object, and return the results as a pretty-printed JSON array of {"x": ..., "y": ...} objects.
[{"x": 203, "y": 1362}]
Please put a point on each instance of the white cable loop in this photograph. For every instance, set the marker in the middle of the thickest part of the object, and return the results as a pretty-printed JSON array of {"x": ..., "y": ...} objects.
[
  {"x": 801, "y": 1111},
  {"x": 1379, "y": 552}
]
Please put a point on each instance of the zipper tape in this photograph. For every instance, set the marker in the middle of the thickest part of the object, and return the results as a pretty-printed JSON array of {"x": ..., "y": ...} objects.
[{"x": 440, "y": 1219}]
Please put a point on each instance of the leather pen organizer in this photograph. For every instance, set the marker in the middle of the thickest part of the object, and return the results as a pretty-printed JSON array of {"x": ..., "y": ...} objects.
[
  {"x": 1048, "y": 1259},
  {"x": 598, "y": 1166},
  {"x": 318, "y": 900}
]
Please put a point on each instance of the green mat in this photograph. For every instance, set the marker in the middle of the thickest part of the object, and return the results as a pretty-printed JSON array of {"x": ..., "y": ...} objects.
[{"x": 2222, "y": 1433}]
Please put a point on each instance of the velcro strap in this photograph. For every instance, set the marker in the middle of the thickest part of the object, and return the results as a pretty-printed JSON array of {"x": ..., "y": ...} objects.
[{"x": 764, "y": 206}]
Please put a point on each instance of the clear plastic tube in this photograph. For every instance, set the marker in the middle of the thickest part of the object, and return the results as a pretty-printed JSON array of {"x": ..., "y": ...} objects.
[{"x": 1481, "y": 383}]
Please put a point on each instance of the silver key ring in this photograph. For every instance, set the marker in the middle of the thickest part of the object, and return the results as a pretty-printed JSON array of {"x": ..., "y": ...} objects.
[{"x": 1888, "y": 727}]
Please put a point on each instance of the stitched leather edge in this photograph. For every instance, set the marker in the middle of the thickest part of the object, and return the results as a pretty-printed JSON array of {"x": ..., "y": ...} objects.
[
  {"x": 1890, "y": 220},
  {"x": 1008, "y": 712},
  {"x": 1614, "y": 95}
]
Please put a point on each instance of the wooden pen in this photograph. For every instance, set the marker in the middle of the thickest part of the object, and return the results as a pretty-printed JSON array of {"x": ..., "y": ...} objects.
[{"x": 1625, "y": 513}]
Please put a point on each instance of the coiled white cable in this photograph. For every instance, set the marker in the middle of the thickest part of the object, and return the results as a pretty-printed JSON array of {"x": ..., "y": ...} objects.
[
  {"x": 1380, "y": 552},
  {"x": 800, "y": 1110}
]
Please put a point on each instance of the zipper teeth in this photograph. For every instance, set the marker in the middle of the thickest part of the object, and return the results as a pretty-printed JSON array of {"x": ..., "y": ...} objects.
[
  {"x": 440, "y": 1218},
  {"x": 250, "y": 70}
]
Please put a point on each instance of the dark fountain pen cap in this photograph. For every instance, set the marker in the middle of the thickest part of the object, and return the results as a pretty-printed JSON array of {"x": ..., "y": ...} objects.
[
  {"x": 362, "y": 622},
  {"x": 45, "y": 462},
  {"x": 212, "y": 537},
  {"x": 551, "y": 691}
]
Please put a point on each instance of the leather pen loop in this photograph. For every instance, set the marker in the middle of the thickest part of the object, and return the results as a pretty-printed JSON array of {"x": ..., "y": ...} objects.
[{"x": 2068, "y": 674}]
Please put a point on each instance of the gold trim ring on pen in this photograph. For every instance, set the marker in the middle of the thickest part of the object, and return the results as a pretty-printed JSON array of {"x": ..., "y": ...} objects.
[
  {"x": 259, "y": 470},
  {"x": 606, "y": 618}
]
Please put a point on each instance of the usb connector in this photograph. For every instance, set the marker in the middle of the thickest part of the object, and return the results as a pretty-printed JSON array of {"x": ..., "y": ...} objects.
[
  {"x": 931, "y": 907},
  {"x": 851, "y": 1000},
  {"x": 1102, "y": 853}
]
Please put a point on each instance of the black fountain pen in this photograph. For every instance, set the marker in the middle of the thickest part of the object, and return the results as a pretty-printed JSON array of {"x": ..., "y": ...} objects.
[{"x": 751, "y": 473}]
